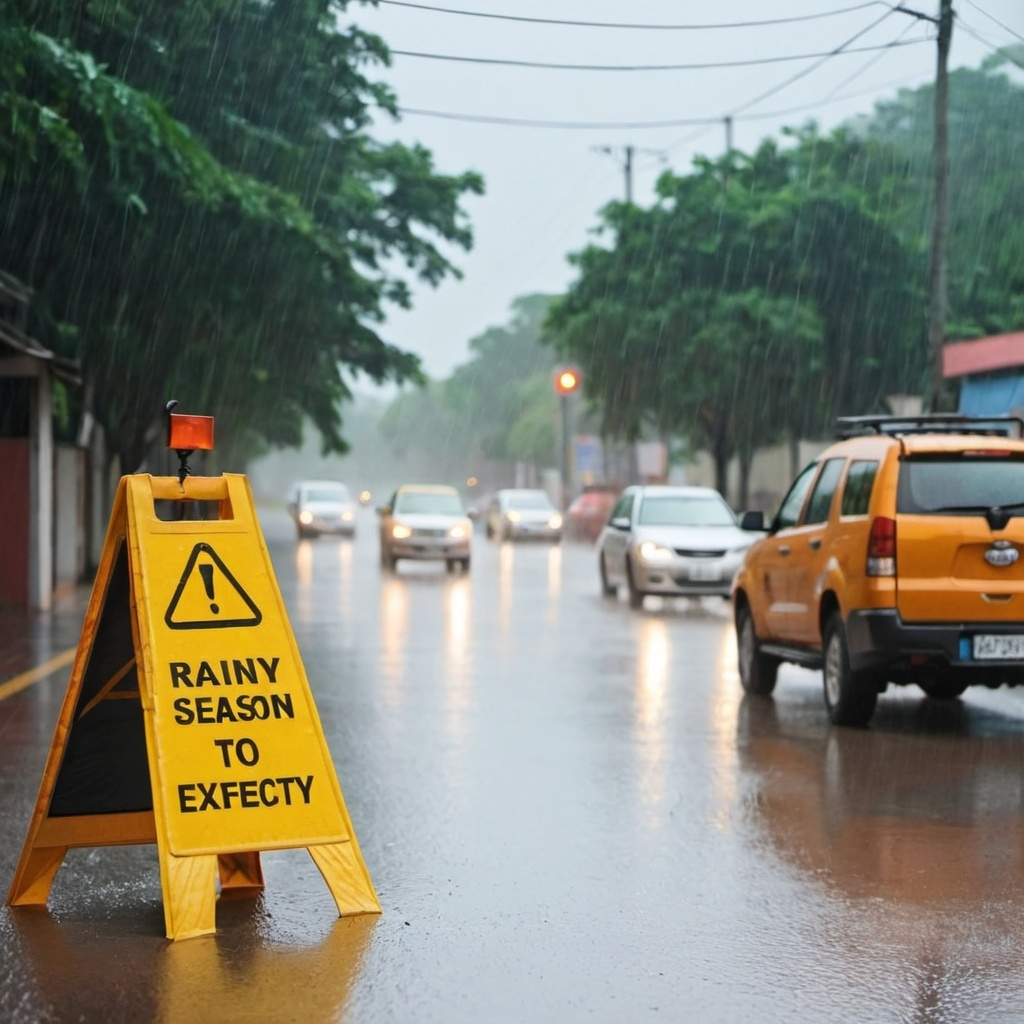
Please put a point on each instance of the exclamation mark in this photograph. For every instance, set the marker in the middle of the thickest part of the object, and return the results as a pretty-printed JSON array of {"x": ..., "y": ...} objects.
[{"x": 206, "y": 571}]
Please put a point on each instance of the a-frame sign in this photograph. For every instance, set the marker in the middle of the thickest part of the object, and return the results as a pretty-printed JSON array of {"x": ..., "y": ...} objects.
[{"x": 188, "y": 720}]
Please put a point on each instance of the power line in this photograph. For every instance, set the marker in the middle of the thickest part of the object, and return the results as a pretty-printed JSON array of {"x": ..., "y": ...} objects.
[
  {"x": 526, "y": 122},
  {"x": 653, "y": 67},
  {"x": 626, "y": 25},
  {"x": 841, "y": 48},
  {"x": 975, "y": 34},
  {"x": 1005, "y": 28}
]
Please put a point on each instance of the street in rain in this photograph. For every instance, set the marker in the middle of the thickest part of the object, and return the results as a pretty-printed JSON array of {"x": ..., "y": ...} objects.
[{"x": 570, "y": 812}]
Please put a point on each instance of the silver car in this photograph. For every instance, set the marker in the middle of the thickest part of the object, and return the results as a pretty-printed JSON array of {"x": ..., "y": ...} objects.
[
  {"x": 672, "y": 541},
  {"x": 520, "y": 513},
  {"x": 322, "y": 506}
]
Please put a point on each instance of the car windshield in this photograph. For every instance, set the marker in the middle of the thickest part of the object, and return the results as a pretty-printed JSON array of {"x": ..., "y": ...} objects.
[
  {"x": 431, "y": 504},
  {"x": 327, "y": 493},
  {"x": 528, "y": 501},
  {"x": 960, "y": 484},
  {"x": 680, "y": 510}
]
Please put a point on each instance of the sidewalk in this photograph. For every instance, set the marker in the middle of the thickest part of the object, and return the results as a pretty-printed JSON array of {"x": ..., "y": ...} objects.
[{"x": 30, "y": 639}]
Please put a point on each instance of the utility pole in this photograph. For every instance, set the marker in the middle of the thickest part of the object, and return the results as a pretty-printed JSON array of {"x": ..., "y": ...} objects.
[
  {"x": 937, "y": 255},
  {"x": 628, "y": 152},
  {"x": 940, "y": 214},
  {"x": 627, "y": 165}
]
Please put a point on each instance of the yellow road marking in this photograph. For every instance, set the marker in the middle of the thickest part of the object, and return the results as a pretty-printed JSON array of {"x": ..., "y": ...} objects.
[{"x": 33, "y": 675}]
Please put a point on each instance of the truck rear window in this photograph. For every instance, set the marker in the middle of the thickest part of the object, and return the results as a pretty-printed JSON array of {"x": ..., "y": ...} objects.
[{"x": 960, "y": 484}]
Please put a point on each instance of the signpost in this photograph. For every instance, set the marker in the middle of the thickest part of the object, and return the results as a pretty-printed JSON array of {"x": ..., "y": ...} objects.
[{"x": 188, "y": 719}]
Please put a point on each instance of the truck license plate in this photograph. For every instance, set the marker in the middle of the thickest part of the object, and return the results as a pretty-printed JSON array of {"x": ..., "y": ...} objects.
[{"x": 998, "y": 647}]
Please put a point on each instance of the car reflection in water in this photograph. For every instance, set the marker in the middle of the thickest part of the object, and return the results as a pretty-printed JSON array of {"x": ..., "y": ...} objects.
[{"x": 919, "y": 821}]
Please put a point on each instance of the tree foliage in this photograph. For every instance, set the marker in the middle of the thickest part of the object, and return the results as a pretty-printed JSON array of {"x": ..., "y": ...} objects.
[
  {"x": 755, "y": 299},
  {"x": 192, "y": 193},
  {"x": 762, "y": 295},
  {"x": 496, "y": 409}
]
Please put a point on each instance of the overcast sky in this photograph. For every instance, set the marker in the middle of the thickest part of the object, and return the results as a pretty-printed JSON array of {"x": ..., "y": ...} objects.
[{"x": 545, "y": 185}]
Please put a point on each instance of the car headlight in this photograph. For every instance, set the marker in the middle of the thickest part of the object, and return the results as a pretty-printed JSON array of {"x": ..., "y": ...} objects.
[
  {"x": 651, "y": 552},
  {"x": 513, "y": 516},
  {"x": 348, "y": 516},
  {"x": 400, "y": 532},
  {"x": 305, "y": 517},
  {"x": 458, "y": 531},
  {"x": 555, "y": 521}
]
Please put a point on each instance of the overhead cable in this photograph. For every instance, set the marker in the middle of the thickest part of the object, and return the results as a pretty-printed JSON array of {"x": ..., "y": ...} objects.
[
  {"x": 525, "y": 122},
  {"x": 1005, "y": 28},
  {"x": 650, "y": 67},
  {"x": 841, "y": 48},
  {"x": 628, "y": 25}
]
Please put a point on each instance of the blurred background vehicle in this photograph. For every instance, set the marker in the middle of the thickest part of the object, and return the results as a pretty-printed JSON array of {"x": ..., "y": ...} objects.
[
  {"x": 425, "y": 521},
  {"x": 523, "y": 514},
  {"x": 322, "y": 506},
  {"x": 673, "y": 541},
  {"x": 589, "y": 511}
]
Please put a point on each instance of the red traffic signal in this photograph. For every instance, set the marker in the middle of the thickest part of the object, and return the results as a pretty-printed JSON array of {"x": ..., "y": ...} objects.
[{"x": 567, "y": 380}]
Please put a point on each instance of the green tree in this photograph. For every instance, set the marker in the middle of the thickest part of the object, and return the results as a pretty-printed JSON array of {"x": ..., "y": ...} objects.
[
  {"x": 192, "y": 193},
  {"x": 757, "y": 298},
  {"x": 986, "y": 195}
]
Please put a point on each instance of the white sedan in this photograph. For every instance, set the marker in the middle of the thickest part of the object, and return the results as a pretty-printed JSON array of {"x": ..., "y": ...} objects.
[{"x": 671, "y": 541}]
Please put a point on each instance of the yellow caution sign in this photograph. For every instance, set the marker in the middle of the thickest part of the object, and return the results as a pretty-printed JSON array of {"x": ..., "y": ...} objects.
[{"x": 188, "y": 720}]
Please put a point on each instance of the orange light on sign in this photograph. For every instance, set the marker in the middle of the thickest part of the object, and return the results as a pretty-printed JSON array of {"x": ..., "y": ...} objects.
[
  {"x": 567, "y": 381},
  {"x": 190, "y": 432}
]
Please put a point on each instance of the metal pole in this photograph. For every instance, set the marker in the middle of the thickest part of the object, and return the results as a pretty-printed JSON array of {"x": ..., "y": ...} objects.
[
  {"x": 565, "y": 453},
  {"x": 940, "y": 214}
]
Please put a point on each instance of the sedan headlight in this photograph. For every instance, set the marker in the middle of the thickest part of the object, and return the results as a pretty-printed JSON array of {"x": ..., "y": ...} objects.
[
  {"x": 305, "y": 517},
  {"x": 457, "y": 531},
  {"x": 513, "y": 516},
  {"x": 555, "y": 521},
  {"x": 655, "y": 553},
  {"x": 400, "y": 532}
]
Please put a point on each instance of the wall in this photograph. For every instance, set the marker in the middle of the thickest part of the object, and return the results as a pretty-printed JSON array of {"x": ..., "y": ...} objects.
[{"x": 770, "y": 474}]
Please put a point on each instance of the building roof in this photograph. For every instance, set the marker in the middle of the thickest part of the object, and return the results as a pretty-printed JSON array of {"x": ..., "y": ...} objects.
[
  {"x": 983, "y": 355},
  {"x": 14, "y": 299}
]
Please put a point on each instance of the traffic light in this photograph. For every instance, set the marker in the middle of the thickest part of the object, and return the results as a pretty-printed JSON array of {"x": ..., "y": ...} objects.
[{"x": 567, "y": 380}]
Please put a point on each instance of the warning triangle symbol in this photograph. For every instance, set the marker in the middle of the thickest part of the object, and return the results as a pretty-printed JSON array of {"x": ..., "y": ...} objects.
[{"x": 209, "y": 597}]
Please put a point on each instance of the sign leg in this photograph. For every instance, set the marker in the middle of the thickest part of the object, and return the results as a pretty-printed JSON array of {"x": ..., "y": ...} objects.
[
  {"x": 347, "y": 878},
  {"x": 190, "y": 894},
  {"x": 38, "y": 867}
]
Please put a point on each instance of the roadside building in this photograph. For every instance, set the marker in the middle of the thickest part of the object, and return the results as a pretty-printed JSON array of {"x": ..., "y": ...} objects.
[
  {"x": 990, "y": 372},
  {"x": 41, "y": 520}
]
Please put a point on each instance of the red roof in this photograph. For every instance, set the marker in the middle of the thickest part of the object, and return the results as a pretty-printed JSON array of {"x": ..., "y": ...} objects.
[{"x": 982, "y": 355}]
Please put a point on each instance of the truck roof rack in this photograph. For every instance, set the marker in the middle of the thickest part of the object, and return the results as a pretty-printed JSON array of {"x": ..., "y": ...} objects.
[{"x": 930, "y": 423}]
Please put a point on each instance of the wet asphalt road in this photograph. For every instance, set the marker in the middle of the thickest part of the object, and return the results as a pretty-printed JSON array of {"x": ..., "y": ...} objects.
[{"x": 570, "y": 814}]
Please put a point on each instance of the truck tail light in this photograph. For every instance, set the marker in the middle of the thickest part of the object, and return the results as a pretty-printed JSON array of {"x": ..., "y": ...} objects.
[{"x": 882, "y": 547}]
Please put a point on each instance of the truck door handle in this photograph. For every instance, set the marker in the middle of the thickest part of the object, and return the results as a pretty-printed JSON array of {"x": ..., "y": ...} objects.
[
  {"x": 783, "y": 549},
  {"x": 815, "y": 544}
]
